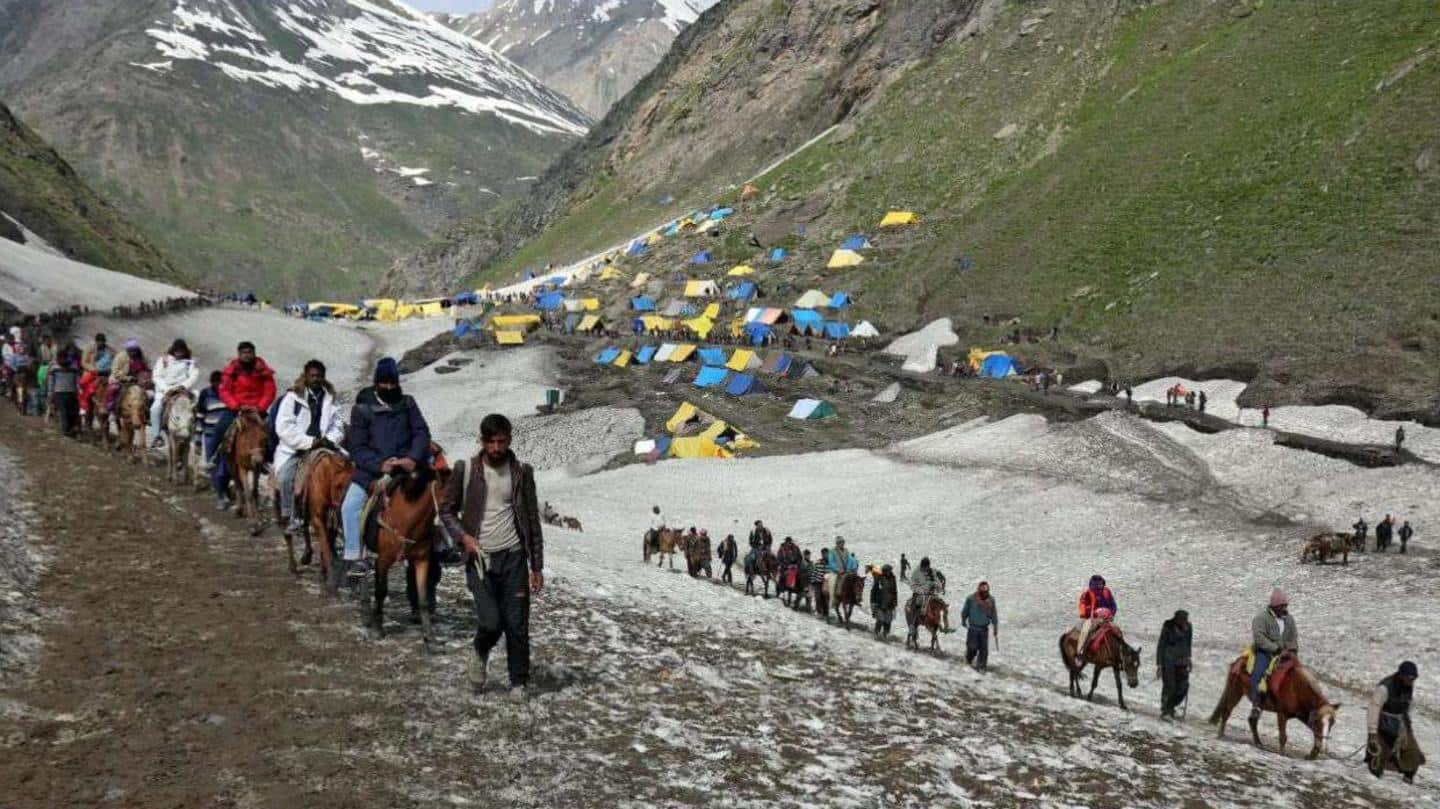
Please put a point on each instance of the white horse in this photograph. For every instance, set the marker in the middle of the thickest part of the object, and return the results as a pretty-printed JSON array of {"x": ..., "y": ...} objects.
[{"x": 179, "y": 417}]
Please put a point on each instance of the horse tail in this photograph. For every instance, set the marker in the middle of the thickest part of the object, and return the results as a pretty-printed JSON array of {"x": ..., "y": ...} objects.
[{"x": 1228, "y": 698}]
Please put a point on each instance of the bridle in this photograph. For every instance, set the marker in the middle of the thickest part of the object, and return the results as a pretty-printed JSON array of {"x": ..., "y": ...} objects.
[{"x": 406, "y": 542}]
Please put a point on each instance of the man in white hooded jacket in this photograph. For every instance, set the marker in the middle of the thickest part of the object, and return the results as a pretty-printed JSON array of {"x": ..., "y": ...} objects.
[
  {"x": 307, "y": 418},
  {"x": 175, "y": 369}
]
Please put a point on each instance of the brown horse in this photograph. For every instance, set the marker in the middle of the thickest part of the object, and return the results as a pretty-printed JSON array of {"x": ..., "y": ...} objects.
[
  {"x": 665, "y": 546},
  {"x": 130, "y": 421},
  {"x": 847, "y": 590},
  {"x": 572, "y": 524},
  {"x": 97, "y": 416},
  {"x": 324, "y": 490},
  {"x": 1114, "y": 653},
  {"x": 407, "y": 517},
  {"x": 1323, "y": 546},
  {"x": 1297, "y": 698},
  {"x": 246, "y": 445},
  {"x": 697, "y": 558},
  {"x": 932, "y": 619},
  {"x": 761, "y": 564}
]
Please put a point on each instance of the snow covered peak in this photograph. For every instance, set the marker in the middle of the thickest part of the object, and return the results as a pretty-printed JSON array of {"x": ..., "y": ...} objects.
[
  {"x": 364, "y": 51},
  {"x": 674, "y": 14}
]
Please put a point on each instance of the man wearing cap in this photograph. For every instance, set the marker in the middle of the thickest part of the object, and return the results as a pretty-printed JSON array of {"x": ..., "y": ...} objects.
[
  {"x": 1391, "y": 738},
  {"x": 1172, "y": 656},
  {"x": 981, "y": 618},
  {"x": 387, "y": 432},
  {"x": 1273, "y": 635}
]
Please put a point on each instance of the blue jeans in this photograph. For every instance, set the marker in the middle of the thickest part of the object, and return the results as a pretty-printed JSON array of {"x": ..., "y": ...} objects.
[
  {"x": 350, "y": 509},
  {"x": 286, "y": 480},
  {"x": 1262, "y": 662},
  {"x": 219, "y": 472}
]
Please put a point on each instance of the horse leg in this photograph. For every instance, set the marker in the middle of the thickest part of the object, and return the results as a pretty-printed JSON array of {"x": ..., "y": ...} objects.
[
  {"x": 423, "y": 587},
  {"x": 1094, "y": 681},
  {"x": 377, "y": 613},
  {"x": 290, "y": 553},
  {"x": 1255, "y": 730},
  {"x": 1119, "y": 689},
  {"x": 1281, "y": 720},
  {"x": 318, "y": 529}
]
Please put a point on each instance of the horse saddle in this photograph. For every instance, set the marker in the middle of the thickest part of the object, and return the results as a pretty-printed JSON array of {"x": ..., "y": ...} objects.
[
  {"x": 790, "y": 577},
  {"x": 1280, "y": 667},
  {"x": 1099, "y": 635}
]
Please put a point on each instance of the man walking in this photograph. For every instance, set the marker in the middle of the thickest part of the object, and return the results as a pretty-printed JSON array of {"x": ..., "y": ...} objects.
[
  {"x": 1362, "y": 532},
  {"x": 1391, "y": 737},
  {"x": 979, "y": 615},
  {"x": 1384, "y": 530},
  {"x": 490, "y": 503},
  {"x": 1404, "y": 534},
  {"x": 1172, "y": 656},
  {"x": 728, "y": 552},
  {"x": 1399, "y": 437},
  {"x": 64, "y": 386},
  {"x": 884, "y": 596}
]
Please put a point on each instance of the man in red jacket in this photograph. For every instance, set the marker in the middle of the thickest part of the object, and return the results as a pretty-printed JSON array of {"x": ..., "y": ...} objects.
[{"x": 246, "y": 382}]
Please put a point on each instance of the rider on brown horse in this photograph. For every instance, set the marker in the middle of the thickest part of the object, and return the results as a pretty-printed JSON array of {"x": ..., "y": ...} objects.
[
  {"x": 926, "y": 583},
  {"x": 307, "y": 419},
  {"x": 1096, "y": 597},
  {"x": 1273, "y": 635}
]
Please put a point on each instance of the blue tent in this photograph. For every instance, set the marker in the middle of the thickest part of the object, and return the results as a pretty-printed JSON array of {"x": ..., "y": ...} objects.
[
  {"x": 856, "y": 242},
  {"x": 557, "y": 280},
  {"x": 643, "y": 303},
  {"x": 999, "y": 366},
  {"x": 710, "y": 376},
  {"x": 550, "y": 301},
  {"x": 777, "y": 363},
  {"x": 742, "y": 384},
  {"x": 721, "y": 213},
  {"x": 465, "y": 299},
  {"x": 636, "y": 248},
  {"x": 712, "y": 356},
  {"x": 702, "y": 257},
  {"x": 743, "y": 291},
  {"x": 607, "y": 356},
  {"x": 807, "y": 320},
  {"x": 756, "y": 333},
  {"x": 777, "y": 255},
  {"x": 835, "y": 330},
  {"x": 673, "y": 228},
  {"x": 645, "y": 354},
  {"x": 840, "y": 300},
  {"x": 662, "y": 445}
]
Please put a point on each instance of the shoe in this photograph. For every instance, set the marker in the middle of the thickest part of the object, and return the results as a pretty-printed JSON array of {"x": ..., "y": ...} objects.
[
  {"x": 357, "y": 568},
  {"x": 295, "y": 526},
  {"x": 1254, "y": 715},
  {"x": 477, "y": 672},
  {"x": 222, "y": 503}
]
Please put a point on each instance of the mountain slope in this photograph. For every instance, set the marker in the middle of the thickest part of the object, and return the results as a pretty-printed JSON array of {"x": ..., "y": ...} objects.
[
  {"x": 593, "y": 51},
  {"x": 1252, "y": 189},
  {"x": 296, "y": 147},
  {"x": 41, "y": 193}
]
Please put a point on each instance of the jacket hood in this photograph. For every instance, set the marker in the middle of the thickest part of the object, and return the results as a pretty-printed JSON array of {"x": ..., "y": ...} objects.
[{"x": 300, "y": 387}]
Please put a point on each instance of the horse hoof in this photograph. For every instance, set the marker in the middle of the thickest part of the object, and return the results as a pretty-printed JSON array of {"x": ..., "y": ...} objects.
[{"x": 306, "y": 559}]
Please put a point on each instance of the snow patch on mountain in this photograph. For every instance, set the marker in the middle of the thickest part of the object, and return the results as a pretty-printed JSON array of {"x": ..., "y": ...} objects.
[{"x": 364, "y": 52}]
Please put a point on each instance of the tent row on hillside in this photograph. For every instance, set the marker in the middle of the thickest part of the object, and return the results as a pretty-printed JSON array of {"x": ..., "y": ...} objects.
[
  {"x": 715, "y": 366},
  {"x": 693, "y": 433},
  {"x": 815, "y": 299}
]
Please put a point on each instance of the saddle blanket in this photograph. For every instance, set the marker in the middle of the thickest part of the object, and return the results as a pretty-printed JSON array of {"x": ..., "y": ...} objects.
[
  {"x": 1100, "y": 633},
  {"x": 1280, "y": 667}
]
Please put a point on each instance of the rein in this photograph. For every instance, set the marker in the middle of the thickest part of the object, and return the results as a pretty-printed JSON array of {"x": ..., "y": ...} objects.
[{"x": 406, "y": 543}]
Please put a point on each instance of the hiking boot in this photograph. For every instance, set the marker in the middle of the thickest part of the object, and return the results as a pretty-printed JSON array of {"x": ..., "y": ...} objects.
[
  {"x": 357, "y": 568},
  {"x": 222, "y": 503},
  {"x": 477, "y": 672},
  {"x": 294, "y": 526},
  {"x": 1254, "y": 715}
]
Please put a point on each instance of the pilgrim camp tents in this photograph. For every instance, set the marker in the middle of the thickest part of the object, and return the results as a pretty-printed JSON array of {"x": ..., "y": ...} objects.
[
  {"x": 645, "y": 354},
  {"x": 811, "y": 409},
  {"x": 895, "y": 219},
  {"x": 777, "y": 255},
  {"x": 743, "y": 360},
  {"x": 607, "y": 356},
  {"x": 807, "y": 321},
  {"x": 642, "y": 303},
  {"x": 702, "y": 289},
  {"x": 742, "y": 385},
  {"x": 812, "y": 299},
  {"x": 710, "y": 376},
  {"x": 741, "y": 269},
  {"x": 712, "y": 356},
  {"x": 864, "y": 329},
  {"x": 998, "y": 365},
  {"x": 856, "y": 242},
  {"x": 510, "y": 338},
  {"x": 840, "y": 300},
  {"x": 743, "y": 291},
  {"x": 515, "y": 322},
  {"x": 841, "y": 259},
  {"x": 702, "y": 257}
]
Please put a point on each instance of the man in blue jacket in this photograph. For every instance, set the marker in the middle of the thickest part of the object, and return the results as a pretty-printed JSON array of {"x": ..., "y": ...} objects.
[{"x": 387, "y": 432}]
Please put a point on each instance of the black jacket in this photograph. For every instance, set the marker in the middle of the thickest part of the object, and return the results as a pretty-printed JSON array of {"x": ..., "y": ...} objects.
[
  {"x": 379, "y": 431},
  {"x": 1174, "y": 646}
]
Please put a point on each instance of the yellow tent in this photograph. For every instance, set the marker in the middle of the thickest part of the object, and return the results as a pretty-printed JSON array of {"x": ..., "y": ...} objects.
[
  {"x": 380, "y": 303},
  {"x": 697, "y": 447},
  {"x": 715, "y": 430},
  {"x": 654, "y": 238},
  {"x": 657, "y": 323},
  {"x": 510, "y": 338},
  {"x": 742, "y": 360},
  {"x": 405, "y": 310},
  {"x": 622, "y": 360},
  {"x": 742, "y": 269},
  {"x": 432, "y": 309},
  {"x": 640, "y": 280},
  {"x": 683, "y": 414},
  {"x": 712, "y": 311},
  {"x": 895, "y": 219},
  {"x": 977, "y": 358},
  {"x": 513, "y": 322},
  {"x": 701, "y": 289},
  {"x": 590, "y": 304},
  {"x": 701, "y": 326},
  {"x": 610, "y": 274},
  {"x": 682, "y": 352},
  {"x": 844, "y": 258}
]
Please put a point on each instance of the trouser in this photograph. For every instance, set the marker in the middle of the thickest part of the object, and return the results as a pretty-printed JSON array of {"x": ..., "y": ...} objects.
[
  {"x": 350, "y": 508},
  {"x": 155, "y": 412},
  {"x": 977, "y": 646},
  {"x": 1398, "y": 749},
  {"x": 1404, "y": 540},
  {"x": 67, "y": 407},
  {"x": 883, "y": 619},
  {"x": 725, "y": 574},
  {"x": 285, "y": 478},
  {"x": 1086, "y": 627},
  {"x": 1262, "y": 663},
  {"x": 502, "y": 606},
  {"x": 1174, "y": 686},
  {"x": 219, "y": 467}
]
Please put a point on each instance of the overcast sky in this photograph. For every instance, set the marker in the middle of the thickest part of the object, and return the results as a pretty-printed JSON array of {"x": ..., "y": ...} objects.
[{"x": 449, "y": 5}]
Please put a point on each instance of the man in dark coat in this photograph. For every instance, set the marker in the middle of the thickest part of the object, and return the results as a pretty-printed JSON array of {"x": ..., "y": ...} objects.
[
  {"x": 884, "y": 596},
  {"x": 1391, "y": 737},
  {"x": 387, "y": 432},
  {"x": 1172, "y": 656},
  {"x": 1384, "y": 530},
  {"x": 728, "y": 552},
  {"x": 490, "y": 503},
  {"x": 1404, "y": 534}
]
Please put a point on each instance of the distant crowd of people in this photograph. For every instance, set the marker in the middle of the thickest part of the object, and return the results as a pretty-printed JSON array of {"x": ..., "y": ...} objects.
[{"x": 160, "y": 306}]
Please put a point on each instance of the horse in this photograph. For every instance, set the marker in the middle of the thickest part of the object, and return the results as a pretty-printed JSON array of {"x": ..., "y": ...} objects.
[
  {"x": 572, "y": 524},
  {"x": 697, "y": 558},
  {"x": 130, "y": 420},
  {"x": 1114, "y": 653},
  {"x": 97, "y": 416},
  {"x": 23, "y": 385},
  {"x": 759, "y": 563},
  {"x": 245, "y": 452},
  {"x": 666, "y": 543},
  {"x": 846, "y": 592},
  {"x": 931, "y": 619},
  {"x": 1323, "y": 546},
  {"x": 407, "y": 513},
  {"x": 325, "y": 482},
  {"x": 178, "y": 416},
  {"x": 1298, "y": 697},
  {"x": 791, "y": 584}
]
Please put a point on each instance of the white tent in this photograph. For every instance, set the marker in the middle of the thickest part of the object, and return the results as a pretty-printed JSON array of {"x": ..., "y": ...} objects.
[
  {"x": 663, "y": 355},
  {"x": 813, "y": 299},
  {"x": 864, "y": 329},
  {"x": 574, "y": 305},
  {"x": 645, "y": 447},
  {"x": 811, "y": 409}
]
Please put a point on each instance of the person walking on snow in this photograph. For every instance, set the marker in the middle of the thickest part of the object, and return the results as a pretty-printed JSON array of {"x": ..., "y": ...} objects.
[
  {"x": 387, "y": 432},
  {"x": 1404, "y": 534},
  {"x": 1384, "y": 530},
  {"x": 175, "y": 370},
  {"x": 728, "y": 552},
  {"x": 490, "y": 503},
  {"x": 1172, "y": 658},
  {"x": 1093, "y": 599},
  {"x": 978, "y": 615},
  {"x": 1399, "y": 437},
  {"x": 904, "y": 567},
  {"x": 308, "y": 419},
  {"x": 1391, "y": 738},
  {"x": 884, "y": 596},
  {"x": 1273, "y": 634},
  {"x": 1362, "y": 531}
]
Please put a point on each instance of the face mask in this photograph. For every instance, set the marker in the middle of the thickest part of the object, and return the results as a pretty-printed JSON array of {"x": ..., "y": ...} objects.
[
  {"x": 317, "y": 388},
  {"x": 390, "y": 396}
]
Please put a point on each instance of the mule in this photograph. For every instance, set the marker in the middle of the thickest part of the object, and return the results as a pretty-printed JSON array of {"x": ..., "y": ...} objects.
[
  {"x": 131, "y": 410},
  {"x": 791, "y": 585},
  {"x": 178, "y": 416},
  {"x": 97, "y": 414},
  {"x": 759, "y": 564},
  {"x": 846, "y": 592},
  {"x": 1298, "y": 697},
  {"x": 324, "y": 489},
  {"x": 1114, "y": 653},
  {"x": 932, "y": 618},
  {"x": 666, "y": 543},
  {"x": 1322, "y": 547},
  {"x": 572, "y": 524},
  {"x": 245, "y": 447},
  {"x": 406, "y": 519}
]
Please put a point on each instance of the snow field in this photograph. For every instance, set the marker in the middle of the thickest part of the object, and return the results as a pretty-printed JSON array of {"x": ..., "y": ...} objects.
[{"x": 35, "y": 279}]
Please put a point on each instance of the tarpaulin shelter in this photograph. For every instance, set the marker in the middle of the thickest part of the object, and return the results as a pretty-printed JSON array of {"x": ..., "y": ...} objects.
[
  {"x": 721, "y": 213},
  {"x": 686, "y": 413},
  {"x": 515, "y": 322},
  {"x": 708, "y": 225},
  {"x": 841, "y": 259},
  {"x": 835, "y": 330},
  {"x": 743, "y": 359},
  {"x": 550, "y": 301},
  {"x": 702, "y": 289},
  {"x": 712, "y": 356},
  {"x": 697, "y": 447},
  {"x": 590, "y": 304},
  {"x": 701, "y": 326},
  {"x": 712, "y": 311},
  {"x": 777, "y": 363},
  {"x": 811, "y": 409},
  {"x": 607, "y": 356},
  {"x": 812, "y": 299},
  {"x": 702, "y": 257},
  {"x": 622, "y": 360},
  {"x": 777, "y": 255},
  {"x": 710, "y": 376},
  {"x": 743, "y": 291},
  {"x": 806, "y": 321},
  {"x": 510, "y": 338},
  {"x": 657, "y": 323},
  {"x": 742, "y": 385},
  {"x": 856, "y": 242},
  {"x": 642, "y": 303},
  {"x": 682, "y": 352},
  {"x": 678, "y": 308},
  {"x": 864, "y": 329},
  {"x": 998, "y": 365},
  {"x": 664, "y": 352},
  {"x": 588, "y": 323},
  {"x": 768, "y": 316},
  {"x": 895, "y": 219},
  {"x": 741, "y": 269},
  {"x": 756, "y": 333},
  {"x": 610, "y": 274},
  {"x": 636, "y": 248},
  {"x": 840, "y": 300},
  {"x": 645, "y": 354}
]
